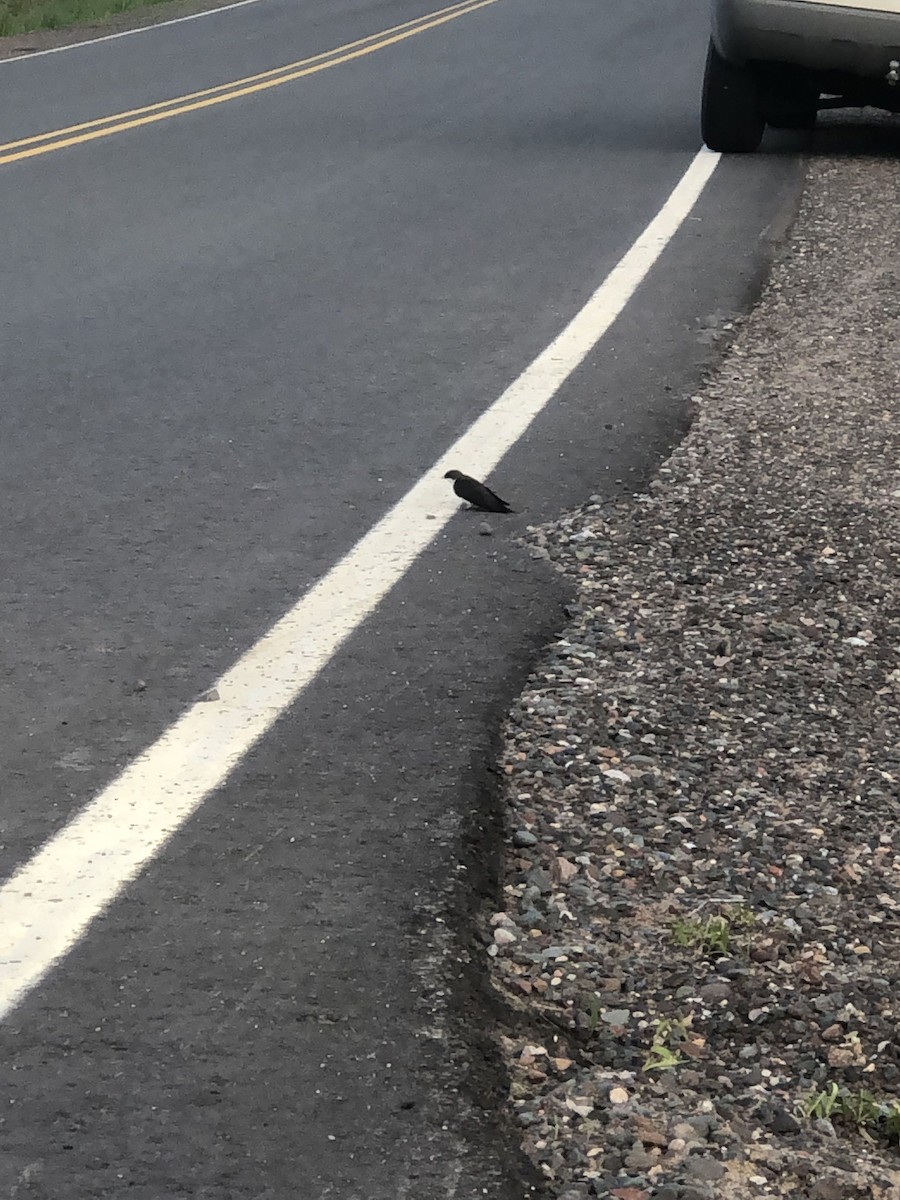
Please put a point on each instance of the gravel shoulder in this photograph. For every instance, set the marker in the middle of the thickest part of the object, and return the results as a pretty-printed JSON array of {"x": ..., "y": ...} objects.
[{"x": 699, "y": 941}]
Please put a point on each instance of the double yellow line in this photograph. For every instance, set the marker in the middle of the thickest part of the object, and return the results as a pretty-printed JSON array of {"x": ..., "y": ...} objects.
[{"x": 164, "y": 110}]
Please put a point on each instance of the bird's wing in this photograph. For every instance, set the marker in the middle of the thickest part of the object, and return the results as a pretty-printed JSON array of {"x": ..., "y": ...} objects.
[
  {"x": 496, "y": 497},
  {"x": 478, "y": 494}
]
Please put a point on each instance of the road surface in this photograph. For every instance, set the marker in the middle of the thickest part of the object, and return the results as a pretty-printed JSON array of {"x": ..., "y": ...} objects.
[{"x": 235, "y": 335}]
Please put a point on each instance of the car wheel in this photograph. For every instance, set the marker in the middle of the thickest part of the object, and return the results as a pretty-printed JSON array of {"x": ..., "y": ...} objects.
[{"x": 731, "y": 119}]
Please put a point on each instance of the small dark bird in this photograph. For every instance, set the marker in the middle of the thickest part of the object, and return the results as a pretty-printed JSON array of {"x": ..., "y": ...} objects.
[{"x": 476, "y": 493}]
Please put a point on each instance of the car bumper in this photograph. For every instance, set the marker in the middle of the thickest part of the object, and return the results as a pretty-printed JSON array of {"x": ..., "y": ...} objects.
[{"x": 838, "y": 37}]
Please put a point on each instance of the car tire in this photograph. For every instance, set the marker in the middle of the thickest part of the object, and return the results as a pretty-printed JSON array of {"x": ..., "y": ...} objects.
[{"x": 731, "y": 119}]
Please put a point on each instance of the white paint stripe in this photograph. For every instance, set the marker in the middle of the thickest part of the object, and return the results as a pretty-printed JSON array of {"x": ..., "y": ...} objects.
[
  {"x": 112, "y": 37},
  {"x": 50, "y": 902}
]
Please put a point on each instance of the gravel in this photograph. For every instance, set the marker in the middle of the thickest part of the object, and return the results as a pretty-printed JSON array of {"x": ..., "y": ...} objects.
[{"x": 700, "y": 931}]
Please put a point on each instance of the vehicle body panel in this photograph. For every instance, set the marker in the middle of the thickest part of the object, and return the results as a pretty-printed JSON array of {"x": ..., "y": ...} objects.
[{"x": 855, "y": 37}]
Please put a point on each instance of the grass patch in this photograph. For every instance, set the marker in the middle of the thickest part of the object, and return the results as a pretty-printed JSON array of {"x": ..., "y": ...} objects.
[
  {"x": 669, "y": 1035},
  {"x": 713, "y": 934},
  {"x": 860, "y": 1109},
  {"x": 23, "y": 16}
]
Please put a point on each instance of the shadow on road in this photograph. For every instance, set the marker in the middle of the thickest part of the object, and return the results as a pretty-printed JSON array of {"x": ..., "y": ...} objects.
[{"x": 856, "y": 133}]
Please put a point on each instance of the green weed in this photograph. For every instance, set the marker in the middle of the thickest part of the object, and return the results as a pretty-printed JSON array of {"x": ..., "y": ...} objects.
[
  {"x": 713, "y": 934},
  {"x": 860, "y": 1108},
  {"x": 668, "y": 1034}
]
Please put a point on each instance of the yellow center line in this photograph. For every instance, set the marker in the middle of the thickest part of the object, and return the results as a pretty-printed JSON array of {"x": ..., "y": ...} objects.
[
  {"x": 234, "y": 83},
  {"x": 87, "y": 131}
]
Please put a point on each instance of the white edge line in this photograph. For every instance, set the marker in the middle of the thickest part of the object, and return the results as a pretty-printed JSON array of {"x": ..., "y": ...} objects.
[
  {"x": 50, "y": 902},
  {"x": 29, "y": 56}
]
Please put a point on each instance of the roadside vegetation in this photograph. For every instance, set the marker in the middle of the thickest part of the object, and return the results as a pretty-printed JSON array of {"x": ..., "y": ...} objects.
[
  {"x": 858, "y": 1109},
  {"x": 23, "y": 16},
  {"x": 715, "y": 933}
]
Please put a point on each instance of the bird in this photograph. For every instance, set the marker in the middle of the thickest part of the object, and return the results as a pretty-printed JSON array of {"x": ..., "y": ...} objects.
[{"x": 477, "y": 494}]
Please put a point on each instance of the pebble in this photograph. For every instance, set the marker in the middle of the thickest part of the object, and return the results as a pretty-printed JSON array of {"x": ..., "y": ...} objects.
[
  {"x": 523, "y": 837},
  {"x": 707, "y": 1169}
]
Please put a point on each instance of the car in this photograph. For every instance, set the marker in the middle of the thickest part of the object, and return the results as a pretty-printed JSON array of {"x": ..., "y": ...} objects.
[{"x": 778, "y": 62}]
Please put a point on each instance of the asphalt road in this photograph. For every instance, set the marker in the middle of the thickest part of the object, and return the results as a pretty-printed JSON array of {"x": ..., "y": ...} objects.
[{"x": 230, "y": 342}]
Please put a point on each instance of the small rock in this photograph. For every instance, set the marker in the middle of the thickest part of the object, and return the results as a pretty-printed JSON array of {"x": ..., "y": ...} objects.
[
  {"x": 843, "y": 1056},
  {"x": 713, "y": 992},
  {"x": 649, "y": 1134},
  {"x": 524, "y": 837},
  {"x": 702, "y": 1125},
  {"x": 581, "y": 1105},
  {"x": 706, "y": 1169},
  {"x": 828, "y": 1189},
  {"x": 782, "y": 1121},
  {"x": 540, "y": 879},
  {"x": 554, "y": 952},
  {"x": 639, "y": 1160},
  {"x": 684, "y": 1131},
  {"x": 534, "y": 1051},
  {"x": 564, "y": 870}
]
